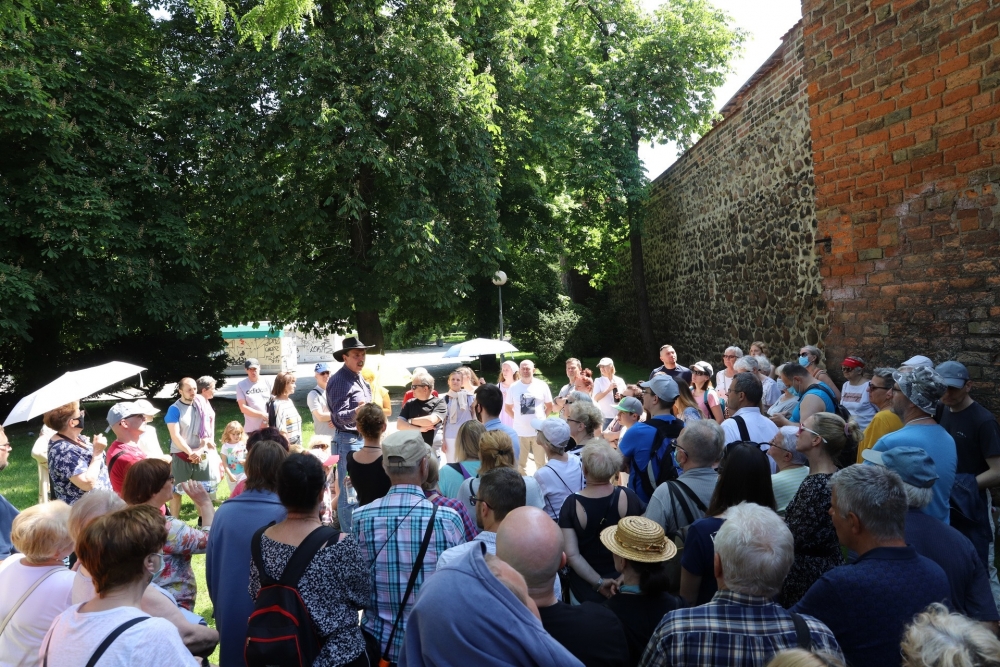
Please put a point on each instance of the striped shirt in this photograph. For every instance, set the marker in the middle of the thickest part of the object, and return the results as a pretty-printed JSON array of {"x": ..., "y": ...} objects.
[
  {"x": 345, "y": 391},
  {"x": 389, "y": 531},
  {"x": 734, "y": 629}
]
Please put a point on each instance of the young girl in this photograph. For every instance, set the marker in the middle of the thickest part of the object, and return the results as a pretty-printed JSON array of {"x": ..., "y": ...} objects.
[
  {"x": 458, "y": 411},
  {"x": 508, "y": 376},
  {"x": 233, "y": 453},
  {"x": 469, "y": 380}
]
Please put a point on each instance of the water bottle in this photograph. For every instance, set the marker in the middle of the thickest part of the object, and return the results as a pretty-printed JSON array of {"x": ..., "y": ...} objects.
[{"x": 352, "y": 494}]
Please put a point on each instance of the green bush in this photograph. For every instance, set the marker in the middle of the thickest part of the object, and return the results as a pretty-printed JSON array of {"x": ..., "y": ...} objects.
[{"x": 567, "y": 331}]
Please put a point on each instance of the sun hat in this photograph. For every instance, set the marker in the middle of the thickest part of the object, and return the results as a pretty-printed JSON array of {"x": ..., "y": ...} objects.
[
  {"x": 351, "y": 343},
  {"x": 640, "y": 539},
  {"x": 605, "y": 361},
  {"x": 145, "y": 407},
  {"x": 922, "y": 385}
]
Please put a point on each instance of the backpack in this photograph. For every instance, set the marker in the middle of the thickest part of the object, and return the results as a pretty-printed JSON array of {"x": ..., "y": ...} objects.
[
  {"x": 280, "y": 630},
  {"x": 272, "y": 417},
  {"x": 666, "y": 431}
]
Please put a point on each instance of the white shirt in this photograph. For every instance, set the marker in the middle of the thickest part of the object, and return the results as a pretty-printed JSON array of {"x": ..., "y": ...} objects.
[
  {"x": 557, "y": 480},
  {"x": 255, "y": 395},
  {"x": 529, "y": 403},
  {"x": 75, "y": 636},
  {"x": 722, "y": 384},
  {"x": 449, "y": 556},
  {"x": 22, "y": 638},
  {"x": 858, "y": 403},
  {"x": 760, "y": 428},
  {"x": 607, "y": 404},
  {"x": 149, "y": 442}
]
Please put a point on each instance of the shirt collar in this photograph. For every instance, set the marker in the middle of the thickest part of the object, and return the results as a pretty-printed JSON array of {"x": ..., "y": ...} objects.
[
  {"x": 347, "y": 371},
  {"x": 411, "y": 489},
  {"x": 888, "y": 553},
  {"x": 491, "y": 423},
  {"x": 729, "y": 597},
  {"x": 487, "y": 537}
]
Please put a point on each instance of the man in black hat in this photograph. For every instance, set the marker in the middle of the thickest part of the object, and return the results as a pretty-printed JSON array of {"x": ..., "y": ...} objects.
[{"x": 346, "y": 392}]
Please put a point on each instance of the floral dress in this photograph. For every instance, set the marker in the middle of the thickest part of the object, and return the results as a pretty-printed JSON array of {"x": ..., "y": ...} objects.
[
  {"x": 183, "y": 541},
  {"x": 68, "y": 459},
  {"x": 817, "y": 549}
]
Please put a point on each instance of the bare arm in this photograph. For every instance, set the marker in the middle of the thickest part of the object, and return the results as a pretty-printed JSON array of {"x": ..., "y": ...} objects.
[
  {"x": 548, "y": 409},
  {"x": 575, "y": 560},
  {"x": 250, "y": 412},
  {"x": 990, "y": 478},
  {"x": 86, "y": 479},
  {"x": 403, "y": 425},
  {"x": 196, "y": 492},
  {"x": 825, "y": 378},
  {"x": 178, "y": 440},
  {"x": 197, "y": 638},
  {"x": 510, "y": 409},
  {"x": 690, "y": 583}
]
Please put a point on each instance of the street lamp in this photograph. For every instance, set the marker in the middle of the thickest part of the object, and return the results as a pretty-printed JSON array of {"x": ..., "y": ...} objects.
[{"x": 500, "y": 279}]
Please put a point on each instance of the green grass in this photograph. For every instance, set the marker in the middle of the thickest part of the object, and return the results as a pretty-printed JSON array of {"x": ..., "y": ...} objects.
[{"x": 19, "y": 480}]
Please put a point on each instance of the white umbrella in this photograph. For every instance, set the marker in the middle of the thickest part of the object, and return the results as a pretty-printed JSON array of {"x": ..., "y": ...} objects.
[
  {"x": 71, "y": 387},
  {"x": 478, "y": 347}
]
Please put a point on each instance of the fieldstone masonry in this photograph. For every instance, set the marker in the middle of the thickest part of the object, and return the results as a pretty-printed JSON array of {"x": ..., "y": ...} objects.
[{"x": 895, "y": 249}]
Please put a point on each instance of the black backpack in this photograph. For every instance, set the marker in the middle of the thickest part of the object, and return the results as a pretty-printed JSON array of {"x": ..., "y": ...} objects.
[
  {"x": 666, "y": 430},
  {"x": 280, "y": 630}
]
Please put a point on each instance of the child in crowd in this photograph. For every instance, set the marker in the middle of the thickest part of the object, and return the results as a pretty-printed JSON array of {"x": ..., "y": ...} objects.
[{"x": 233, "y": 453}]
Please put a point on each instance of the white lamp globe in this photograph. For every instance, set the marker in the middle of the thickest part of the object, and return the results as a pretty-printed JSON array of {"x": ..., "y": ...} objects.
[{"x": 499, "y": 278}]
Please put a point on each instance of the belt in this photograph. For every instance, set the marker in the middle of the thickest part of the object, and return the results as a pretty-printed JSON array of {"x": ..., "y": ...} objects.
[{"x": 348, "y": 431}]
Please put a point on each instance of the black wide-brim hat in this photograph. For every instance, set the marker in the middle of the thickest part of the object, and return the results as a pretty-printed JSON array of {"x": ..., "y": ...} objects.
[{"x": 351, "y": 343}]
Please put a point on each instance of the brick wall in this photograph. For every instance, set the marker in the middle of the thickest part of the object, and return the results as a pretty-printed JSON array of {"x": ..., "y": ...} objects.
[
  {"x": 728, "y": 241},
  {"x": 904, "y": 105}
]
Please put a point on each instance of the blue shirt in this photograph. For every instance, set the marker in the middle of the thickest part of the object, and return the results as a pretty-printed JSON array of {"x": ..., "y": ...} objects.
[
  {"x": 497, "y": 425},
  {"x": 7, "y": 514},
  {"x": 635, "y": 445},
  {"x": 227, "y": 566},
  {"x": 953, "y": 551},
  {"x": 828, "y": 405},
  {"x": 940, "y": 446},
  {"x": 345, "y": 391},
  {"x": 869, "y": 603}
]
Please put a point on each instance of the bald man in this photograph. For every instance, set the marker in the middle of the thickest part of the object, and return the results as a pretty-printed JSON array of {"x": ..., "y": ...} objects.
[
  {"x": 188, "y": 460},
  {"x": 530, "y": 541}
]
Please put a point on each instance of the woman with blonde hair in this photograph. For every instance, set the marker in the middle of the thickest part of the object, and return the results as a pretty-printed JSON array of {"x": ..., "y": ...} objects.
[
  {"x": 798, "y": 657},
  {"x": 822, "y": 437},
  {"x": 36, "y": 585},
  {"x": 458, "y": 410},
  {"x": 939, "y": 638},
  {"x": 496, "y": 450},
  {"x": 467, "y": 462},
  {"x": 810, "y": 358}
]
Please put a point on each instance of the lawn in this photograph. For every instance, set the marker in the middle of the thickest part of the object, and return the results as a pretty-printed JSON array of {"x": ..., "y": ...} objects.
[{"x": 19, "y": 480}]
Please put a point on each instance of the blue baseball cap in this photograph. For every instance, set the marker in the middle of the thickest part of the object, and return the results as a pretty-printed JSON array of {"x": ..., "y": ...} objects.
[
  {"x": 322, "y": 367},
  {"x": 913, "y": 465}
]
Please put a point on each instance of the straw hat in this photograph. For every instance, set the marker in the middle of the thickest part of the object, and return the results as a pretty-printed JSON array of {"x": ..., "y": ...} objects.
[{"x": 639, "y": 539}]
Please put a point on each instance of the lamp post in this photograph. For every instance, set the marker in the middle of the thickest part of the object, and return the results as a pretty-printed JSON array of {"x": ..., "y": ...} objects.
[{"x": 500, "y": 279}]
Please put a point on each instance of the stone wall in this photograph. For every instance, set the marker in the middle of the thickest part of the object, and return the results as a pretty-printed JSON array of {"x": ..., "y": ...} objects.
[
  {"x": 904, "y": 107},
  {"x": 728, "y": 242}
]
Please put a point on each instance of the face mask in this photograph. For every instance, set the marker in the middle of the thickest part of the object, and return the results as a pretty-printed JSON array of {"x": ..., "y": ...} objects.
[
  {"x": 793, "y": 391},
  {"x": 803, "y": 360},
  {"x": 163, "y": 563},
  {"x": 80, "y": 420}
]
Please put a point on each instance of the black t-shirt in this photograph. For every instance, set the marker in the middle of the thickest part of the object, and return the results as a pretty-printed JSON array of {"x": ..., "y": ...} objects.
[
  {"x": 368, "y": 479},
  {"x": 433, "y": 406},
  {"x": 639, "y": 615},
  {"x": 977, "y": 437},
  {"x": 677, "y": 372},
  {"x": 589, "y": 631}
]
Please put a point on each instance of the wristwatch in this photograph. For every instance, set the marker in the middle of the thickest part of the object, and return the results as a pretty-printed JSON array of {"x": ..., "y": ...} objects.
[{"x": 600, "y": 582}]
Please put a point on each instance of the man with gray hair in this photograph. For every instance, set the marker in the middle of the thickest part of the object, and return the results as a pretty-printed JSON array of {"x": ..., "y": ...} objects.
[
  {"x": 868, "y": 603},
  {"x": 678, "y": 503},
  {"x": 885, "y": 420},
  {"x": 970, "y": 585},
  {"x": 742, "y": 626},
  {"x": 792, "y": 465},
  {"x": 915, "y": 395}
]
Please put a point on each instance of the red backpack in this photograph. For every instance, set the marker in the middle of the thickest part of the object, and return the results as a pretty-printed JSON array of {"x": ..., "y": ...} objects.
[{"x": 280, "y": 630}]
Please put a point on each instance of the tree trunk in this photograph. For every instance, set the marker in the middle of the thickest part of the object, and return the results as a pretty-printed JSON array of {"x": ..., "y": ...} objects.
[{"x": 370, "y": 329}]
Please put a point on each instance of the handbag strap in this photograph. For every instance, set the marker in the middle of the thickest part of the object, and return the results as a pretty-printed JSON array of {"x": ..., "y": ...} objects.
[
  {"x": 802, "y": 636},
  {"x": 27, "y": 594},
  {"x": 742, "y": 426},
  {"x": 417, "y": 566},
  {"x": 103, "y": 647}
]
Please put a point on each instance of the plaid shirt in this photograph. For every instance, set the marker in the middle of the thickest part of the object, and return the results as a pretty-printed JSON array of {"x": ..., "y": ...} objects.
[
  {"x": 734, "y": 629},
  {"x": 471, "y": 529},
  {"x": 389, "y": 531},
  {"x": 345, "y": 391}
]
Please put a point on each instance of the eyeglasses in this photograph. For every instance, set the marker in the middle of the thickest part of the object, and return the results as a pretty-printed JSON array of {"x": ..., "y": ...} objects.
[
  {"x": 729, "y": 356},
  {"x": 474, "y": 500},
  {"x": 875, "y": 387},
  {"x": 575, "y": 421},
  {"x": 803, "y": 428},
  {"x": 678, "y": 447}
]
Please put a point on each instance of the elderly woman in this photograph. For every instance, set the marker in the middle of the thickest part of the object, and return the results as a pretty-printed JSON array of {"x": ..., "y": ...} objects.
[
  {"x": 75, "y": 465},
  {"x": 940, "y": 638},
  {"x": 592, "y": 574},
  {"x": 562, "y": 475},
  {"x": 821, "y": 437},
  {"x": 150, "y": 483},
  {"x": 792, "y": 465},
  {"x": 608, "y": 389},
  {"x": 286, "y": 417},
  {"x": 640, "y": 551},
  {"x": 335, "y": 584},
  {"x": 585, "y": 421},
  {"x": 36, "y": 585},
  {"x": 458, "y": 410},
  {"x": 466, "y": 463},
  {"x": 810, "y": 357},
  {"x": 425, "y": 413},
  {"x": 122, "y": 552},
  {"x": 496, "y": 450},
  {"x": 724, "y": 378}
]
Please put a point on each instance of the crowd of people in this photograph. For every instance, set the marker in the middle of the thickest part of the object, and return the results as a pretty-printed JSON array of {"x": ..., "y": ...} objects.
[{"x": 758, "y": 515}]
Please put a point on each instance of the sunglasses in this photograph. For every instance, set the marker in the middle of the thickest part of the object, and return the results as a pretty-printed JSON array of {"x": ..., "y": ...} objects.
[
  {"x": 846, "y": 370},
  {"x": 803, "y": 428},
  {"x": 474, "y": 500},
  {"x": 705, "y": 373},
  {"x": 421, "y": 386}
]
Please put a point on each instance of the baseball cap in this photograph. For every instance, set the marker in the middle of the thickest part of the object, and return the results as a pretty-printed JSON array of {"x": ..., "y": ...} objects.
[
  {"x": 605, "y": 361},
  {"x": 120, "y": 411},
  {"x": 918, "y": 361},
  {"x": 922, "y": 386},
  {"x": 913, "y": 465},
  {"x": 703, "y": 366},
  {"x": 251, "y": 363},
  {"x": 953, "y": 374},
  {"x": 145, "y": 407},
  {"x": 555, "y": 430},
  {"x": 630, "y": 404},
  {"x": 663, "y": 386},
  {"x": 322, "y": 367},
  {"x": 403, "y": 449}
]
